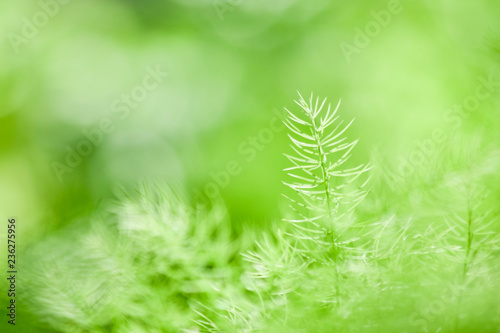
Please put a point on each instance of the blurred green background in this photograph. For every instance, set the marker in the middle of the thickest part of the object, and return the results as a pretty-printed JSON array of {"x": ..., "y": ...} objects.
[
  {"x": 231, "y": 65},
  {"x": 207, "y": 120}
]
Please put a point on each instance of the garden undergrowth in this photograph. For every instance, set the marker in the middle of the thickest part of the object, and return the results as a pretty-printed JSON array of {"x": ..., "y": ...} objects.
[{"x": 358, "y": 249}]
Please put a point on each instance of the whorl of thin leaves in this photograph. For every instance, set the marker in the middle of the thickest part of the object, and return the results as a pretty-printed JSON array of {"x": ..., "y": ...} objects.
[{"x": 326, "y": 189}]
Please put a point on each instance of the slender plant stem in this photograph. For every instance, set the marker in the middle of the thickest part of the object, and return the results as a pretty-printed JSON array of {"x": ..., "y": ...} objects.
[
  {"x": 470, "y": 236},
  {"x": 469, "y": 242},
  {"x": 326, "y": 183},
  {"x": 324, "y": 172}
]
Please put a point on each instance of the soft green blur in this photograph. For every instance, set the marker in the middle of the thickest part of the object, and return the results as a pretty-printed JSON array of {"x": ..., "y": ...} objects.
[
  {"x": 229, "y": 68},
  {"x": 210, "y": 121}
]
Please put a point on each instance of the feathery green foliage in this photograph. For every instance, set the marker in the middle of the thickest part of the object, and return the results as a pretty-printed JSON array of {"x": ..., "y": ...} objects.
[
  {"x": 421, "y": 258},
  {"x": 139, "y": 268},
  {"x": 323, "y": 185}
]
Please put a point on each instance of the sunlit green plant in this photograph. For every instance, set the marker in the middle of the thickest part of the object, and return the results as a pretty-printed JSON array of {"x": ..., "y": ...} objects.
[{"x": 418, "y": 258}]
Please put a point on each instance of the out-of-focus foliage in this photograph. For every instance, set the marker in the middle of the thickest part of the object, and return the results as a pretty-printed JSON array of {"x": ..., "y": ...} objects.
[
  {"x": 100, "y": 94},
  {"x": 139, "y": 268}
]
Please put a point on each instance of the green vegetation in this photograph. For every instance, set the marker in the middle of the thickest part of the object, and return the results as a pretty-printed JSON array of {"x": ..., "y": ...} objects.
[
  {"x": 335, "y": 263},
  {"x": 162, "y": 179}
]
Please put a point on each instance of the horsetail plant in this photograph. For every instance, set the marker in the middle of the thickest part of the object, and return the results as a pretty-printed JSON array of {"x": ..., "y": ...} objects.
[{"x": 324, "y": 193}]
